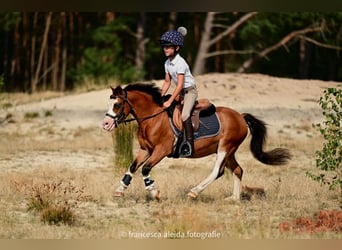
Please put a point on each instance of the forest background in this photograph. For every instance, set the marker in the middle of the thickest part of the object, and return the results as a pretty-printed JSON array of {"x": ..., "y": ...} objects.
[{"x": 58, "y": 51}]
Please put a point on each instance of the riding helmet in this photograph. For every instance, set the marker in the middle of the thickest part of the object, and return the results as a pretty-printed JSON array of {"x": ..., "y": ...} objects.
[{"x": 173, "y": 37}]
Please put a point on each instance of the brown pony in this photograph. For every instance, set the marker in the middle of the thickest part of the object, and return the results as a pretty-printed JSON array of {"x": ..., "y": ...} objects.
[{"x": 157, "y": 139}]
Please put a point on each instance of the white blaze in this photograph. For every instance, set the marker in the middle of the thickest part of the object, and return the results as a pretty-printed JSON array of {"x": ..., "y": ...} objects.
[{"x": 111, "y": 103}]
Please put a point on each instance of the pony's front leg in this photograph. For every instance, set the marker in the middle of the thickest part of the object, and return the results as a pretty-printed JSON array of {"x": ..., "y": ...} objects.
[
  {"x": 149, "y": 185},
  {"x": 124, "y": 183},
  {"x": 157, "y": 155},
  {"x": 142, "y": 156}
]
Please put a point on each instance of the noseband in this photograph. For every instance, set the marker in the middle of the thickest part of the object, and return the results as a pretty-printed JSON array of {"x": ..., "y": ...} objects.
[{"x": 121, "y": 117}]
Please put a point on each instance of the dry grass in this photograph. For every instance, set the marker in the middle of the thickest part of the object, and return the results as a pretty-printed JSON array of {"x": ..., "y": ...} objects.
[
  {"x": 289, "y": 194},
  {"x": 175, "y": 216}
]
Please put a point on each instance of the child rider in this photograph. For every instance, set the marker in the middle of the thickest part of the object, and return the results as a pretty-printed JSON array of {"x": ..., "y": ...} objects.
[{"x": 177, "y": 70}]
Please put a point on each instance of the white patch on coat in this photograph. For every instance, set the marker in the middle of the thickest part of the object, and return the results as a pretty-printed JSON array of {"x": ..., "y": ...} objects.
[{"x": 219, "y": 159}]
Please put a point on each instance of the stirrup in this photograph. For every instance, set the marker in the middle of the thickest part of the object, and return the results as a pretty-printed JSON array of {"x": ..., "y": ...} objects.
[{"x": 185, "y": 149}]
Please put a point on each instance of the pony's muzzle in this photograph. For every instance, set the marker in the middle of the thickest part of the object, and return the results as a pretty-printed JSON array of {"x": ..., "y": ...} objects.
[{"x": 109, "y": 123}]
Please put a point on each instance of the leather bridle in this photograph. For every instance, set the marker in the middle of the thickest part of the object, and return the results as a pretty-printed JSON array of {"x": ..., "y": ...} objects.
[{"x": 121, "y": 117}]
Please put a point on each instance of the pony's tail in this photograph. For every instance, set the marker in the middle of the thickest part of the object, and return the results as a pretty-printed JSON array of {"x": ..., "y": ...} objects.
[{"x": 277, "y": 156}]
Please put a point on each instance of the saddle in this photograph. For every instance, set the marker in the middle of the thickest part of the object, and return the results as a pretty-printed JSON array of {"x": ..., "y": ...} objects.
[
  {"x": 203, "y": 117},
  {"x": 203, "y": 107}
]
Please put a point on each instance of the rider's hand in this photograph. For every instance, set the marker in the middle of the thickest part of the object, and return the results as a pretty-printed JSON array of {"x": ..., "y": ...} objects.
[{"x": 166, "y": 104}]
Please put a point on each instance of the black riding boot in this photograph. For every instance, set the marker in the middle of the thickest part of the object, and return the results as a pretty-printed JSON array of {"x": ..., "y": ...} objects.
[{"x": 187, "y": 146}]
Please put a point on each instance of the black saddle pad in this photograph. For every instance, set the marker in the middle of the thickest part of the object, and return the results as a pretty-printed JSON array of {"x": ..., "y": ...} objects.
[{"x": 209, "y": 126}]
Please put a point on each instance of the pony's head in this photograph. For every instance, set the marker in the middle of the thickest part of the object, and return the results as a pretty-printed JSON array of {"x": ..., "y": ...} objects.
[{"x": 118, "y": 109}]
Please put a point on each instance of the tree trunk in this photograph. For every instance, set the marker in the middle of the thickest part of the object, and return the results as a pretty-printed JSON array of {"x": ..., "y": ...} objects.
[
  {"x": 33, "y": 49},
  {"x": 110, "y": 17},
  {"x": 45, "y": 68},
  {"x": 204, "y": 45},
  {"x": 70, "y": 31},
  {"x": 26, "y": 36},
  {"x": 5, "y": 60},
  {"x": 141, "y": 42},
  {"x": 15, "y": 62},
  {"x": 304, "y": 58},
  {"x": 217, "y": 58},
  {"x": 172, "y": 20},
  {"x": 80, "y": 44},
  {"x": 43, "y": 46},
  {"x": 64, "y": 52},
  {"x": 56, "y": 57}
]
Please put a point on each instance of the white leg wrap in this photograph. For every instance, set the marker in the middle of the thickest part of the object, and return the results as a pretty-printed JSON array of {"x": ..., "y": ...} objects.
[
  {"x": 149, "y": 183},
  {"x": 236, "y": 188},
  {"x": 124, "y": 183},
  {"x": 126, "y": 180},
  {"x": 149, "y": 186}
]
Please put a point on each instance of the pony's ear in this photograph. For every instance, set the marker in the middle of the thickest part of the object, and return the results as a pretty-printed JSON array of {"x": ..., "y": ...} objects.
[{"x": 117, "y": 91}]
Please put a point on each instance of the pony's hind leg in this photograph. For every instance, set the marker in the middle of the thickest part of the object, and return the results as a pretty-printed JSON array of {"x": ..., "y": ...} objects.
[
  {"x": 237, "y": 172},
  {"x": 216, "y": 173}
]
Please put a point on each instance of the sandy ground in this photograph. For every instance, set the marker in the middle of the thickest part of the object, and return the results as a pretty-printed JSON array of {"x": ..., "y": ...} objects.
[{"x": 286, "y": 105}]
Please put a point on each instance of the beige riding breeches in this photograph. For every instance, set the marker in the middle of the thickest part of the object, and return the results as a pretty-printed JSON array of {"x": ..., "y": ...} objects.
[{"x": 189, "y": 95}]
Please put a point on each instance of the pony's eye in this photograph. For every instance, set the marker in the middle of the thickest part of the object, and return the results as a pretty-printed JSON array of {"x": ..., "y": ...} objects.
[{"x": 117, "y": 105}]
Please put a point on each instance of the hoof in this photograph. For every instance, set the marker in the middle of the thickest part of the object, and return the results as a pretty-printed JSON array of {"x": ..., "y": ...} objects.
[
  {"x": 232, "y": 199},
  {"x": 192, "y": 195},
  {"x": 155, "y": 194},
  {"x": 157, "y": 197},
  {"x": 118, "y": 194}
]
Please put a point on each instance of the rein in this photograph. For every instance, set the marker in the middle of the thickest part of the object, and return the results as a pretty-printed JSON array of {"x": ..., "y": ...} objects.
[{"x": 143, "y": 118}]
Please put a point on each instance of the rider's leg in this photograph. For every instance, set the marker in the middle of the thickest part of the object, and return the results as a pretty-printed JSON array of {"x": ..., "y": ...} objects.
[
  {"x": 190, "y": 97},
  {"x": 187, "y": 147}
]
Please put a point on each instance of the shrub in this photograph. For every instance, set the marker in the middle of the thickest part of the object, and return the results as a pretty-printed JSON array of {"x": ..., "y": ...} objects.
[
  {"x": 55, "y": 202},
  {"x": 31, "y": 115},
  {"x": 56, "y": 215},
  {"x": 329, "y": 158},
  {"x": 48, "y": 113}
]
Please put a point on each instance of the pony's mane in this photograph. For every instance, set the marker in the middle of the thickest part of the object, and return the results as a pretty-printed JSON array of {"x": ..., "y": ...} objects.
[{"x": 148, "y": 88}]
